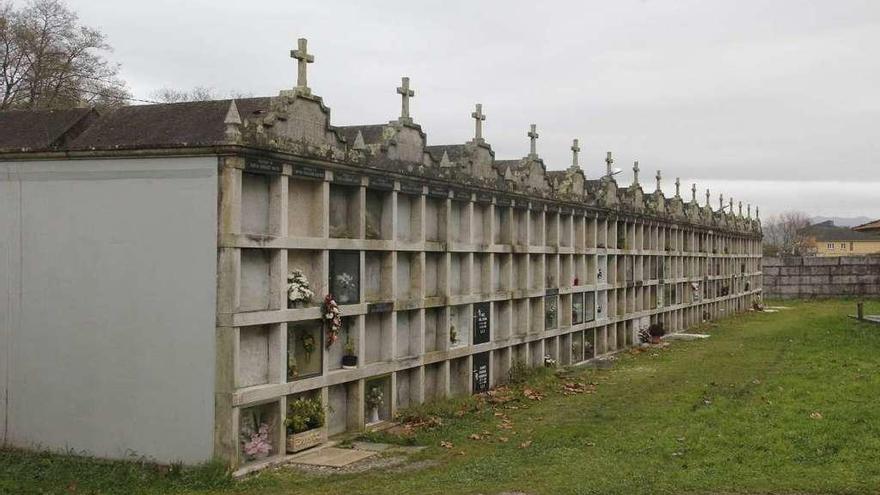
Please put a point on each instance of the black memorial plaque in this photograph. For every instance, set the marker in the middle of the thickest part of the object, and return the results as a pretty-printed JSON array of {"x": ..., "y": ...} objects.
[
  {"x": 481, "y": 372},
  {"x": 502, "y": 201},
  {"x": 461, "y": 195},
  {"x": 382, "y": 307},
  {"x": 483, "y": 197},
  {"x": 346, "y": 178},
  {"x": 263, "y": 166},
  {"x": 438, "y": 191},
  {"x": 482, "y": 323},
  {"x": 410, "y": 188},
  {"x": 383, "y": 183},
  {"x": 308, "y": 171}
]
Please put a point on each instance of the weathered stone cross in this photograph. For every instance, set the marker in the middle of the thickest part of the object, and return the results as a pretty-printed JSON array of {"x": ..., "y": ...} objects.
[
  {"x": 707, "y": 197},
  {"x": 533, "y": 136},
  {"x": 303, "y": 60},
  {"x": 694, "y": 193},
  {"x": 677, "y": 187},
  {"x": 658, "y": 177},
  {"x": 405, "y": 94},
  {"x": 608, "y": 162},
  {"x": 740, "y": 208},
  {"x": 575, "y": 149},
  {"x": 636, "y": 172},
  {"x": 479, "y": 117},
  {"x": 721, "y": 202}
]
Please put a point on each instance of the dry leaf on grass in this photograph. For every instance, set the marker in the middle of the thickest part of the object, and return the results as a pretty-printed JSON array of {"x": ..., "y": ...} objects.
[
  {"x": 815, "y": 415},
  {"x": 446, "y": 445},
  {"x": 525, "y": 444},
  {"x": 532, "y": 394}
]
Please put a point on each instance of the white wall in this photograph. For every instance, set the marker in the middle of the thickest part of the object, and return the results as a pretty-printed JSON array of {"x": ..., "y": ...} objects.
[{"x": 107, "y": 306}]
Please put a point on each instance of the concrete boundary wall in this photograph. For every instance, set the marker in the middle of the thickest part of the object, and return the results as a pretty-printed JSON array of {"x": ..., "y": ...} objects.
[{"x": 796, "y": 277}]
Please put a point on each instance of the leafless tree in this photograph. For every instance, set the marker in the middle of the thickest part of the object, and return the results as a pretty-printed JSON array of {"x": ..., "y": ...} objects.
[
  {"x": 198, "y": 93},
  {"x": 783, "y": 235},
  {"x": 48, "y": 60}
]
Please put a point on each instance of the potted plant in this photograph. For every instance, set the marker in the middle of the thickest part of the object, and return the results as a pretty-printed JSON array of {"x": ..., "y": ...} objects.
[
  {"x": 373, "y": 400},
  {"x": 299, "y": 291},
  {"x": 349, "y": 359},
  {"x": 656, "y": 331},
  {"x": 305, "y": 424}
]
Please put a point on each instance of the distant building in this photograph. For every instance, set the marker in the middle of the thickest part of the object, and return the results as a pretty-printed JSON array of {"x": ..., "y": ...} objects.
[{"x": 831, "y": 240}]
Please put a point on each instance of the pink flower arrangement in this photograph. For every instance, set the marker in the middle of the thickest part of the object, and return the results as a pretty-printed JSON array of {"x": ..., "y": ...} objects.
[
  {"x": 259, "y": 445},
  {"x": 332, "y": 318}
]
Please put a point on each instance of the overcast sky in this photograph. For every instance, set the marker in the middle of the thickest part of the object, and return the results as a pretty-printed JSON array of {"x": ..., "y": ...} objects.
[{"x": 776, "y": 103}]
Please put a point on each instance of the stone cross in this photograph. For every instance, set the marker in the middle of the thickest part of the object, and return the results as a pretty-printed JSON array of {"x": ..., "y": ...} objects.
[
  {"x": 740, "y": 208},
  {"x": 677, "y": 187},
  {"x": 658, "y": 177},
  {"x": 303, "y": 59},
  {"x": 479, "y": 117},
  {"x": 405, "y": 94},
  {"x": 721, "y": 202},
  {"x": 636, "y": 172},
  {"x": 694, "y": 193},
  {"x": 575, "y": 149},
  {"x": 533, "y": 136},
  {"x": 731, "y": 206},
  {"x": 608, "y": 162}
]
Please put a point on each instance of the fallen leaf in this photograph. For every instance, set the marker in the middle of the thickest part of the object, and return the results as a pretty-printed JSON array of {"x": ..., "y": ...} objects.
[
  {"x": 446, "y": 445},
  {"x": 525, "y": 444},
  {"x": 474, "y": 436},
  {"x": 816, "y": 415},
  {"x": 503, "y": 439}
]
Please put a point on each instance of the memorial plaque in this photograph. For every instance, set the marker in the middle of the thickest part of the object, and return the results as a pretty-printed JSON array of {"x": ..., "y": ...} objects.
[
  {"x": 536, "y": 206},
  {"x": 521, "y": 204},
  {"x": 461, "y": 195},
  {"x": 438, "y": 191},
  {"x": 384, "y": 183},
  {"x": 552, "y": 291},
  {"x": 503, "y": 201},
  {"x": 553, "y": 208},
  {"x": 263, "y": 166},
  {"x": 345, "y": 270},
  {"x": 308, "y": 171},
  {"x": 346, "y": 178},
  {"x": 410, "y": 188},
  {"x": 483, "y": 197},
  {"x": 551, "y": 316},
  {"x": 382, "y": 307},
  {"x": 481, "y": 323},
  {"x": 577, "y": 308},
  {"x": 481, "y": 372}
]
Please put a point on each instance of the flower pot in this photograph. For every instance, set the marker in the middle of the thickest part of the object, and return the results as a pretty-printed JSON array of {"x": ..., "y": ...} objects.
[
  {"x": 349, "y": 362},
  {"x": 374, "y": 415},
  {"x": 655, "y": 339},
  {"x": 306, "y": 439}
]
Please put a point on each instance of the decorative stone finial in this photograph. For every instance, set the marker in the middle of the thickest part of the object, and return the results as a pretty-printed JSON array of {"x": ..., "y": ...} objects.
[
  {"x": 359, "y": 143},
  {"x": 677, "y": 187},
  {"x": 707, "y": 197},
  {"x": 445, "y": 162},
  {"x": 533, "y": 136},
  {"x": 575, "y": 149},
  {"x": 721, "y": 202},
  {"x": 740, "y": 208},
  {"x": 478, "y": 117},
  {"x": 749, "y": 210},
  {"x": 608, "y": 161},
  {"x": 694, "y": 193},
  {"x": 406, "y": 93},
  {"x": 636, "y": 173},
  {"x": 303, "y": 59},
  {"x": 232, "y": 121},
  {"x": 659, "y": 177},
  {"x": 757, "y": 213}
]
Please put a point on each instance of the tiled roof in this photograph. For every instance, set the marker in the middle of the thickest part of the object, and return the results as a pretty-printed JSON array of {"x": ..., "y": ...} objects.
[
  {"x": 827, "y": 231},
  {"x": 35, "y": 130}
]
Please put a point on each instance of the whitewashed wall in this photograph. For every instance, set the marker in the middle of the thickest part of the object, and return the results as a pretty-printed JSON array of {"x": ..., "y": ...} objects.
[{"x": 107, "y": 297}]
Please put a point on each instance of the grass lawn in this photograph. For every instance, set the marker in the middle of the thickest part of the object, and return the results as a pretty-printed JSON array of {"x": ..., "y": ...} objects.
[{"x": 787, "y": 402}]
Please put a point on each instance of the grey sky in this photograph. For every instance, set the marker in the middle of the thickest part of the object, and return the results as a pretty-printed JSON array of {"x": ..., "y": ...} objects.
[{"x": 768, "y": 101}]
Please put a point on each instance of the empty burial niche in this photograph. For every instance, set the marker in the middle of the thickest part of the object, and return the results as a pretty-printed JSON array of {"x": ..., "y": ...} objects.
[
  {"x": 435, "y": 219},
  {"x": 482, "y": 274},
  {"x": 565, "y": 230},
  {"x": 521, "y": 272},
  {"x": 256, "y": 360},
  {"x": 377, "y": 400},
  {"x": 602, "y": 233},
  {"x": 435, "y": 329},
  {"x": 409, "y": 332},
  {"x": 459, "y": 376},
  {"x": 520, "y": 355},
  {"x": 536, "y": 353},
  {"x": 460, "y": 318},
  {"x": 521, "y": 316},
  {"x": 307, "y": 266},
  {"x": 459, "y": 221},
  {"x": 551, "y": 229},
  {"x": 255, "y": 203},
  {"x": 503, "y": 231},
  {"x": 536, "y": 227},
  {"x": 482, "y": 231},
  {"x": 341, "y": 399},
  {"x": 601, "y": 342},
  {"x": 500, "y": 365},
  {"x": 255, "y": 279},
  {"x": 501, "y": 319},
  {"x": 590, "y": 228},
  {"x": 378, "y": 214},
  {"x": 521, "y": 226},
  {"x": 459, "y": 274},
  {"x": 409, "y": 276},
  {"x": 551, "y": 349},
  {"x": 377, "y": 276},
  {"x": 345, "y": 212},
  {"x": 306, "y": 208},
  {"x": 577, "y": 347},
  {"x": 435, "y": 381},
  {"x": 377, "y": 337},
  {"x": 305, "y": 347},
  {"x": 536, "y": 267},
  {"x": 435, "y": 274},
  {"x": 551, "y": 271},
  {"x": 565, "y": 310},
  {"x": 408, "y": 387},
  {"x": 409, "y": 218},
  {"x": 264, "y": 420},
  {"x": 536, "y": 313}
]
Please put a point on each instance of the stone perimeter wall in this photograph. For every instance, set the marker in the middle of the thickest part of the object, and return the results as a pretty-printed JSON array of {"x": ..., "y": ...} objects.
[{"x": 796, "y": 277}]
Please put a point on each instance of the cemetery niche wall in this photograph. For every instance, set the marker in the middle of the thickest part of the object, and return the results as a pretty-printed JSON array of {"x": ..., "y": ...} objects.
[{"x": 362, "y": 270}]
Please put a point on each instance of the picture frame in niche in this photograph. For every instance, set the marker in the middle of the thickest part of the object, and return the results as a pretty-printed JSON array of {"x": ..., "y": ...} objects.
[
  {"x": 577, "y": 308},
  {"x": 345, "y": 274}
]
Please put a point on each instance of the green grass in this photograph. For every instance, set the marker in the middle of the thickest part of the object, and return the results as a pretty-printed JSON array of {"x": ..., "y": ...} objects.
[{"x": 731, "y": 414}]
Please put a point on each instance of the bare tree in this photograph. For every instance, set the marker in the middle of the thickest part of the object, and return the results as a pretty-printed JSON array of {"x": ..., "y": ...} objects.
[
  {"x": 783, "y": 234},
  {"x": 48, "y": 60},
  {"x": 198, "y": 93}
]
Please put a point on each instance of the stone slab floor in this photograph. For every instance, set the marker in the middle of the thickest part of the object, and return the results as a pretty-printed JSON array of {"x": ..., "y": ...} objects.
[{"x": 783, "y": 402}]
